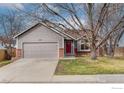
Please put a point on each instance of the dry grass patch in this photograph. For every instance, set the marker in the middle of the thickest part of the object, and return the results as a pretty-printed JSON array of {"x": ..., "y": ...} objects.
[
  {"x": 85, "y": 66},
  {"x": 3, "y": 63}
]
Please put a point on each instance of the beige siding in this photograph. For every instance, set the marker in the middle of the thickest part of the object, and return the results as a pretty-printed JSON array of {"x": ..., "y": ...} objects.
[
  {"x": 78, "y": 45},
  {"x": 40, "y": 34}
]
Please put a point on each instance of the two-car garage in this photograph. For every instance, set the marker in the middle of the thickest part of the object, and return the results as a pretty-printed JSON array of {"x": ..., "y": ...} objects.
[
  {"x": 40, "y": 50},
  {"x": 39, "y": 42}
]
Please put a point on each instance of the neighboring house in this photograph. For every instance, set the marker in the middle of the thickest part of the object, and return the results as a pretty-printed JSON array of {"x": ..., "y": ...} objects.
[
  {"x": 4, "y": 43},
  {"x": 121, "y": 42},
  {"x": 2, "y": 46},
  {"x": 42, "y": 42}
]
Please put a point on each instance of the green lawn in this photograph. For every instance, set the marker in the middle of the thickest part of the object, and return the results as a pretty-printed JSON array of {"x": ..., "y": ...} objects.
[
  {"x": 3, "y": 63},
  {"x": 86, "y": 66}
]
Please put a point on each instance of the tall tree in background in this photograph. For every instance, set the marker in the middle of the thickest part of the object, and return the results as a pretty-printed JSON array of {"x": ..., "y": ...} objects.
[
  {"x": 115, "y": 37},
  {"x": 10, "y": 25},
  {"x": 99, "y": 21}
]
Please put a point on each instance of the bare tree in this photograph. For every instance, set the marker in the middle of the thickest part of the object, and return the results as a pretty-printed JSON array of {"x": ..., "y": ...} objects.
[
  {"x": 93, "y": 19},
  {"x": 11, "y": 24},
  {"x": 113, "y": 40}
]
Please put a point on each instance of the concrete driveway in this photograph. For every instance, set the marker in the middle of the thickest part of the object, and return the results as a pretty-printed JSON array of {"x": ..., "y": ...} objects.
[{"x": 28, "y": 70}]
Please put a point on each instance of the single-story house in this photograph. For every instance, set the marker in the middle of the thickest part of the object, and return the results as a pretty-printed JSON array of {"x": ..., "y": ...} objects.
[
  {"x": 1, "y": 45},
  {"x": 121, "y": 42},
  {"x": 40, "y": 41}
]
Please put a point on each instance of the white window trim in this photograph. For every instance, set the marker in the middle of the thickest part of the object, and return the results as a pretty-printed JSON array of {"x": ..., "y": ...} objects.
[{"x": 84, "y": 49}]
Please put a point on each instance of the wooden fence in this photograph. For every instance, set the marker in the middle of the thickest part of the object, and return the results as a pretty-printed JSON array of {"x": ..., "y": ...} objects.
[{"x": 3, "y": 54}]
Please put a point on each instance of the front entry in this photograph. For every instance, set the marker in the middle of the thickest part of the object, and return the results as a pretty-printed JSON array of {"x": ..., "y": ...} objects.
[{"x": 68, "y": 47}]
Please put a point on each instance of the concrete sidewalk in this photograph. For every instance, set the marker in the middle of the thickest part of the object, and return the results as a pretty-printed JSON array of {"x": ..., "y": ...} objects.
[{"x": 109, "y": 78}]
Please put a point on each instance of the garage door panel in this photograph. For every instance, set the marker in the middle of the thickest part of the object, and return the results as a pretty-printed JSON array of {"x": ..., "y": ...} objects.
[{"x": 40, "y": 50}]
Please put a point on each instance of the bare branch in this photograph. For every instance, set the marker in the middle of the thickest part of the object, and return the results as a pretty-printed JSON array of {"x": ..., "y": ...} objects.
[{"x": 52, "y": 11}]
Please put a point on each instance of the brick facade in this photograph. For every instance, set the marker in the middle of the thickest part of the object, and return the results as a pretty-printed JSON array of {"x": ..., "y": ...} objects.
[
  {"x": 61, "y": 52},
  {"x": 18, "y": 53},
  {"x": 83, "y": 53}
]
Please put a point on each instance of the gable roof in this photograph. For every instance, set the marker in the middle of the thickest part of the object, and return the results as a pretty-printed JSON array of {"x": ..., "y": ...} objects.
[
  {"x": 69, "y": 33},
  {"x": 76, "y": 34},
  {"x": 31, "y": 27}
]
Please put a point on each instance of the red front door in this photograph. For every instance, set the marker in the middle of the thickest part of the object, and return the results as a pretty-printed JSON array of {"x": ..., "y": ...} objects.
[{"x": 68, "y": 47}]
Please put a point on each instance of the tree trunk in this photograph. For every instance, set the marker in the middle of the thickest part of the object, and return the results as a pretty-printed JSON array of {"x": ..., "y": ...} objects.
[
  {"x": 9, "y": 52},
  {"x": 111, "y": 52},
  {"x": 93, "y": 50},
  {"x": 105, "y": 50},
  {"x": 110, "y": 49},
  {"x": 93, "y": 55}
]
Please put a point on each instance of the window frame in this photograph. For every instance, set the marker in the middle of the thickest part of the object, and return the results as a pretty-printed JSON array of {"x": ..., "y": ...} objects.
[{"x": 84, "y": 44}]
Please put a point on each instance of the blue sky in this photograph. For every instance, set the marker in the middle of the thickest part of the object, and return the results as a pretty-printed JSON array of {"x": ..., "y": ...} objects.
[{"x": 5, "y": 7}]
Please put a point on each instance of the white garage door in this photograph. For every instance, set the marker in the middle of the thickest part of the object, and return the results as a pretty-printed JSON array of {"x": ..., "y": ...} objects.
[{"x": 40, "y": 50}]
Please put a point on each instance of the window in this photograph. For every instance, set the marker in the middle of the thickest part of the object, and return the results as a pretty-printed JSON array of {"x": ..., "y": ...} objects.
[{"x": 85, "y": 45}]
